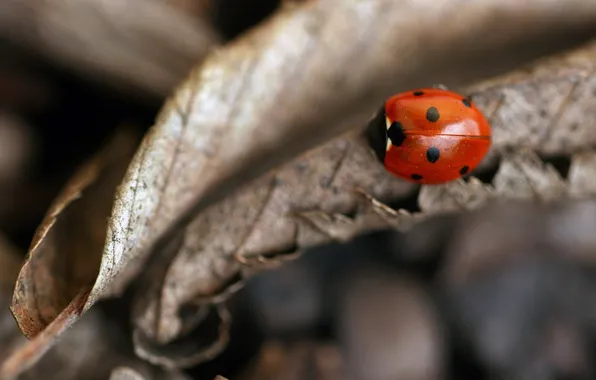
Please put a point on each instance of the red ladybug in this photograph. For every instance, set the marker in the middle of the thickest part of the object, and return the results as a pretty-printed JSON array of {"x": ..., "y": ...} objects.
[{"x": 430, "y": 135}]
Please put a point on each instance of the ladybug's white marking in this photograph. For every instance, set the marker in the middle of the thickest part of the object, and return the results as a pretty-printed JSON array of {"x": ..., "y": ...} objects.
[{"x": 388, "y": 125}]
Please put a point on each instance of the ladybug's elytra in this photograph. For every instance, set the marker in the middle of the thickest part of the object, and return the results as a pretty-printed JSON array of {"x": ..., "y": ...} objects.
[{"x": 431, "y": 135}]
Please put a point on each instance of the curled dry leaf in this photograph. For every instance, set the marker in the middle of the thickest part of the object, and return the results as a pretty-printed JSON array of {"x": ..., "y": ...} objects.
[
  {"x": 201, "y": 344},
  {"x": 64, "y": 256},
  {"x": 306, "y": 202},
  {"x": 143, "y": 47}
]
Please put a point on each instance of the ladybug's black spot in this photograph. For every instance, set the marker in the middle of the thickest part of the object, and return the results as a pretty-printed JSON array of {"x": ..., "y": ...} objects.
[
  {"x": 467, "y": 102},
  {"x": 432, "y": 114},
  {"x": 418, "y": 93},
  {"x": 433, "y": 154},
  {"x": 464, "y": 170},
  {"x": 396, "y": 133},
  {"x": 416, "y": 177}
]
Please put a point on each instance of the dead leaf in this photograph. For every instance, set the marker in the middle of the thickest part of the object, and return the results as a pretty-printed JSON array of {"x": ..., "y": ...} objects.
[
  {"x": 142, "y": 47},
  {"x": 207, "y": 261},
  {"x": 319, "y": 189},
  {"x": 547, "y": 107},
  {"x": 203, "y": 343},
  {"x": 455, "y": 196},
  {"x": 523, "y": 175},
  {"x": 64, "y": 256},
  {"x": 190, "y": 132},
  {"x": 213, "y": 137},
  {"x": 183, "y": 279}
]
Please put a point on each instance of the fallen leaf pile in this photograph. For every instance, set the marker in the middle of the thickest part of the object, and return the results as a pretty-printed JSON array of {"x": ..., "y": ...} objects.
[{"x": 161, "y": 256}]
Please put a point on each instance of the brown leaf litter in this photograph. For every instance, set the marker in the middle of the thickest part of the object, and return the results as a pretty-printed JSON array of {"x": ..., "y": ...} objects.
[
  {"x": 251, "y": 106},
  {"x": 307, "y": 201},
  {"x": 64, "y": 256}
]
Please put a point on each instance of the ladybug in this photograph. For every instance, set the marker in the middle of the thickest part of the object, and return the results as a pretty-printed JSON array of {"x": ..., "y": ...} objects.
[{"x": 430, "y": 135}]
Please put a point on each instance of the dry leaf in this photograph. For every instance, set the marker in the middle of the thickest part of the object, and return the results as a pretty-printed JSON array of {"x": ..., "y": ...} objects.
[
  {"x": 207, "y": 261},
  {"x": 197, "y": 144},
  {"x": 546, "y": 108},
  {"x": 217, "y": 138},
  {"x": 198, "y": 345},
  {"x": 319, "y": 188},
  {"x": 144, "y": 47},
  {"x": 64, "y": 256}
]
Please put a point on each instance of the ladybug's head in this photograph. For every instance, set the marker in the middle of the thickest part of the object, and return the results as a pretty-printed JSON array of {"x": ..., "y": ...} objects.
[{"x": 376, "y": 134}]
